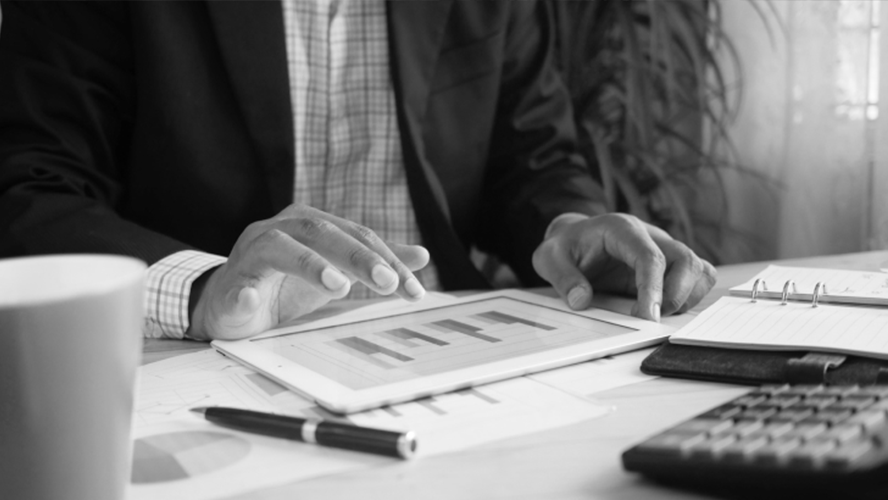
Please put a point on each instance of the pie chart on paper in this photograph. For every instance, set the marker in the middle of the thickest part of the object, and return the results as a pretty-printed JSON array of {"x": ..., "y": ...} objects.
[{"x": 180, "y": 455}]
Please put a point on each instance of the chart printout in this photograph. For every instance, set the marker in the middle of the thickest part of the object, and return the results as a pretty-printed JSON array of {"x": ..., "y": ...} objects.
[{"x": 397, "y": 348}]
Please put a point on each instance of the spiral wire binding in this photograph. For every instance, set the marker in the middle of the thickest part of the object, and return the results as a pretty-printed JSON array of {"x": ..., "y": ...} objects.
[
  {"x": 819, "y": 289},
  {"x": 784, "y": 298},
  {"x": 789, "y": 288},
  {"x": 755, "y": 288}
]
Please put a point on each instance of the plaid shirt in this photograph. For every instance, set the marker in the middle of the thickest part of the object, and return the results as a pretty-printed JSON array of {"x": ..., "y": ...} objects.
[{"x": 348, "y": 149}]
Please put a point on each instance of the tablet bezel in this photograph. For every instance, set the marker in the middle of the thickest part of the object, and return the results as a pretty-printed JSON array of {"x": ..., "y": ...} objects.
[{"x": 338, "y": 398}]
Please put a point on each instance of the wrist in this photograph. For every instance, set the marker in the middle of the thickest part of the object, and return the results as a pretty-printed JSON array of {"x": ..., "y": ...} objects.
[{"x": 197, "y": 305}]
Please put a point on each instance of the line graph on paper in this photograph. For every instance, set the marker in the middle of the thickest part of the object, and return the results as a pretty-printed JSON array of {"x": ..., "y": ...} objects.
[{"x": 168, "y": 390}]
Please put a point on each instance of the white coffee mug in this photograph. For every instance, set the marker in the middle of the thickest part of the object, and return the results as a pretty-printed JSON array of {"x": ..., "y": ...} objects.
[{"x": 70, "y": 343}]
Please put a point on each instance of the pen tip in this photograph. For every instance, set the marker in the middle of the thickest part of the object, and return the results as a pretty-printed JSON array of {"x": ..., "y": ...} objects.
[{"x": 201, "y": 410}]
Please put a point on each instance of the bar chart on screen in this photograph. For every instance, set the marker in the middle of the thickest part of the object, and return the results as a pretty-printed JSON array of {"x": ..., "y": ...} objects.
[{"x": 397, "y": 348}]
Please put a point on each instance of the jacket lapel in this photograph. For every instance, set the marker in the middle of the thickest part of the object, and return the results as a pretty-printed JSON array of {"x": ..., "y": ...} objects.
[
  {"x": 415, "y": 32},
  {"x": 251, "y": 38}
]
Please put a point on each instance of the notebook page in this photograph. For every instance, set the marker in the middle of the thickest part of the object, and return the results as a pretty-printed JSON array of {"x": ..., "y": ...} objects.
[
  {"x": 856, "y": 287},
  {"x": 769, "y": 325}
]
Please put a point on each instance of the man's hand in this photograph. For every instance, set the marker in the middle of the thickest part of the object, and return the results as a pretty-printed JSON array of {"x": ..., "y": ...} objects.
[
  {"x": 620, "y": 253},
  {"x": 295, "y": 262}
]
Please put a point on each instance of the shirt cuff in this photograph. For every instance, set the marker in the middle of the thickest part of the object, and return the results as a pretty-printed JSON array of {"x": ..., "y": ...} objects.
[
  {"x": 566, "y": 218},
  {"x": 169, "y": 290}
]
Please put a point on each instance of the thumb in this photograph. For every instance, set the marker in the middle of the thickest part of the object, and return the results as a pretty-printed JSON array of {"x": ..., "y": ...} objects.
[
  {"x": 238, "y": 313},
  {"x": 553, "y": 263},
  {"x": 242, "y": 302}
]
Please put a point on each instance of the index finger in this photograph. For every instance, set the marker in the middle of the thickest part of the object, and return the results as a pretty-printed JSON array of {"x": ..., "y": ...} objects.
[
  {"x": 408, "y": 286},
  {"x": 631, "y": 243}
]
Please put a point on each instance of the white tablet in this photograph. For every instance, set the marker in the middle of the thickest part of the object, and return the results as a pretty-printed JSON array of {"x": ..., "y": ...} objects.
[{"x": 398, "y": 357}]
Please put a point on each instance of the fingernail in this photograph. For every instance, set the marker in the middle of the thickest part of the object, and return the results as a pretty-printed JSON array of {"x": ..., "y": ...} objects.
[
  {"x": 655, "y": 311},
  {"x": 333, "y": 279},
  {"x": 383, "y": 276},
  {"x": 414, "y": 288},
  {"x": 576, "y": 297}
]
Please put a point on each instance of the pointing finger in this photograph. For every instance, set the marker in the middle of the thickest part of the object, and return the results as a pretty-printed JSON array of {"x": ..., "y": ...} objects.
[{"x": 630, "y": 242}]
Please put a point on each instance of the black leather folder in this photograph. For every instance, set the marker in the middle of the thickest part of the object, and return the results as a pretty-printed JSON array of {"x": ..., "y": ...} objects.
[{"x": 757, "y": 367}]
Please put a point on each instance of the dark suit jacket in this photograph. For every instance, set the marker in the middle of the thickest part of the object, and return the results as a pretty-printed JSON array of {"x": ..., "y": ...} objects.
[{"x": 145, "y": 128}]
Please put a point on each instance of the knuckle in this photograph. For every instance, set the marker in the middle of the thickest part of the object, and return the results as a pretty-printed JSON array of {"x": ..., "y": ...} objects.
[
  {"x": 358, "y": 257},
  {"x": 254, "y": 229},
  {"x": 694, "y": 264},
  {"x": 364, "y": 234},
  {"x": 710, "y": 271},
  {"x": 269, "y": 237},
  {"x": 654, "y": 256},
  {"x": 305, "y": 260},
  {"x": 623, "y": 220},
  {"x": 542, "y": 256},
  {"x": 399, "y": 267},
  {"x": 313, "y": 228},
  {"x": 296, "y": 208}
]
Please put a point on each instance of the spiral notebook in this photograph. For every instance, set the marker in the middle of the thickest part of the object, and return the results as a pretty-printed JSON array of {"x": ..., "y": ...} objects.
[
  {"x": 798, "y": 309},
  {"x": 828, "y": 285}
]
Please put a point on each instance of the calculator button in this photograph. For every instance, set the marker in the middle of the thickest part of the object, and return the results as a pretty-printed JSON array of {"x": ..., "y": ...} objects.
[
  {"x": 828, "y": 416},
  {"x": 773, "y": 430},
  {"x": 839, "y": 390},
  {"x": 806, "y": 431},
  {"x": 878, "y": 392},
  {"x": 722, "y": 412},
  {"x": 849, "y": 454},
  {"x": 869, "y": 419},
  {"x": 881, "y": 405},
  {"x": 855, "y": 402},
  {"x": 769, "y": 390},
  {"x": 841, "y": 433},
  {"x": 879, "y": 435},
  {"x": 811, "y": 454},
  {"x": 780, "y": 401},
  {"x": 777, "y": 450},
  {"x": 818, "y": 402},
  {"x": 749, "y": 400},
  {"x": 743, "y": 449},
  {"x": 756, "y": 413},
  {"x": 712, "y": 447},
  {"x": 803, "y": 390},
  {"x": 701, "y": 426},
  {"x": 670, "y": 444},
  {"x": 792, "y": 415},
  {"x": 745, "y": 427}
]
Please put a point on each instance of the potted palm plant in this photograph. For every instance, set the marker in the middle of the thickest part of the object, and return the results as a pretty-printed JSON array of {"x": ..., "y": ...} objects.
[{"x": 651, "y": 101}]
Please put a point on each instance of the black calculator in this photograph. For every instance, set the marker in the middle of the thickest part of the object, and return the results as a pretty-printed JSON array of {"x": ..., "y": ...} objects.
[{"x": 778, "y": 441}]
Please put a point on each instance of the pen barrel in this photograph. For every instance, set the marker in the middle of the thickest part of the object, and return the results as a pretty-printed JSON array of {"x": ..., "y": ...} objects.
[
  {"x": 257, "y": 423},
  {"x": 351, "y": 437},
  {"x": 326, "y": 433}
]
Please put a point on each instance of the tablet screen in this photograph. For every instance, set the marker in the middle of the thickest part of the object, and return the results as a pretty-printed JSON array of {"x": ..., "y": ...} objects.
[{"x": 408, "y": 346}]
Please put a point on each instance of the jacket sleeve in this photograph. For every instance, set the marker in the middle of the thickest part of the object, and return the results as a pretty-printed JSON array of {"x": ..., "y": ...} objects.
[
  {"x": 535, "y": 172},
  {"x": 67, "y": 101}
]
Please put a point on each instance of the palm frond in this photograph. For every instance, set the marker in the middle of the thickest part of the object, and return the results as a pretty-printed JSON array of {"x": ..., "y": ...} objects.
[{"x": 651, "y": 82}]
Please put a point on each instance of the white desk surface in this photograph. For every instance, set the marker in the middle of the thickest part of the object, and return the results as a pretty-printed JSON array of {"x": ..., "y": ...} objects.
[{"x": 578, "y": 461}]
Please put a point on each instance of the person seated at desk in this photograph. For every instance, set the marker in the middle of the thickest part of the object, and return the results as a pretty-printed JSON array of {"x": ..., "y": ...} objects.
[{"x": 321, "y": 145}]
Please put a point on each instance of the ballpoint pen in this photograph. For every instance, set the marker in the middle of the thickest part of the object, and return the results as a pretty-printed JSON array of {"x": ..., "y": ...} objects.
[{"x": 323, "y": 432}]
